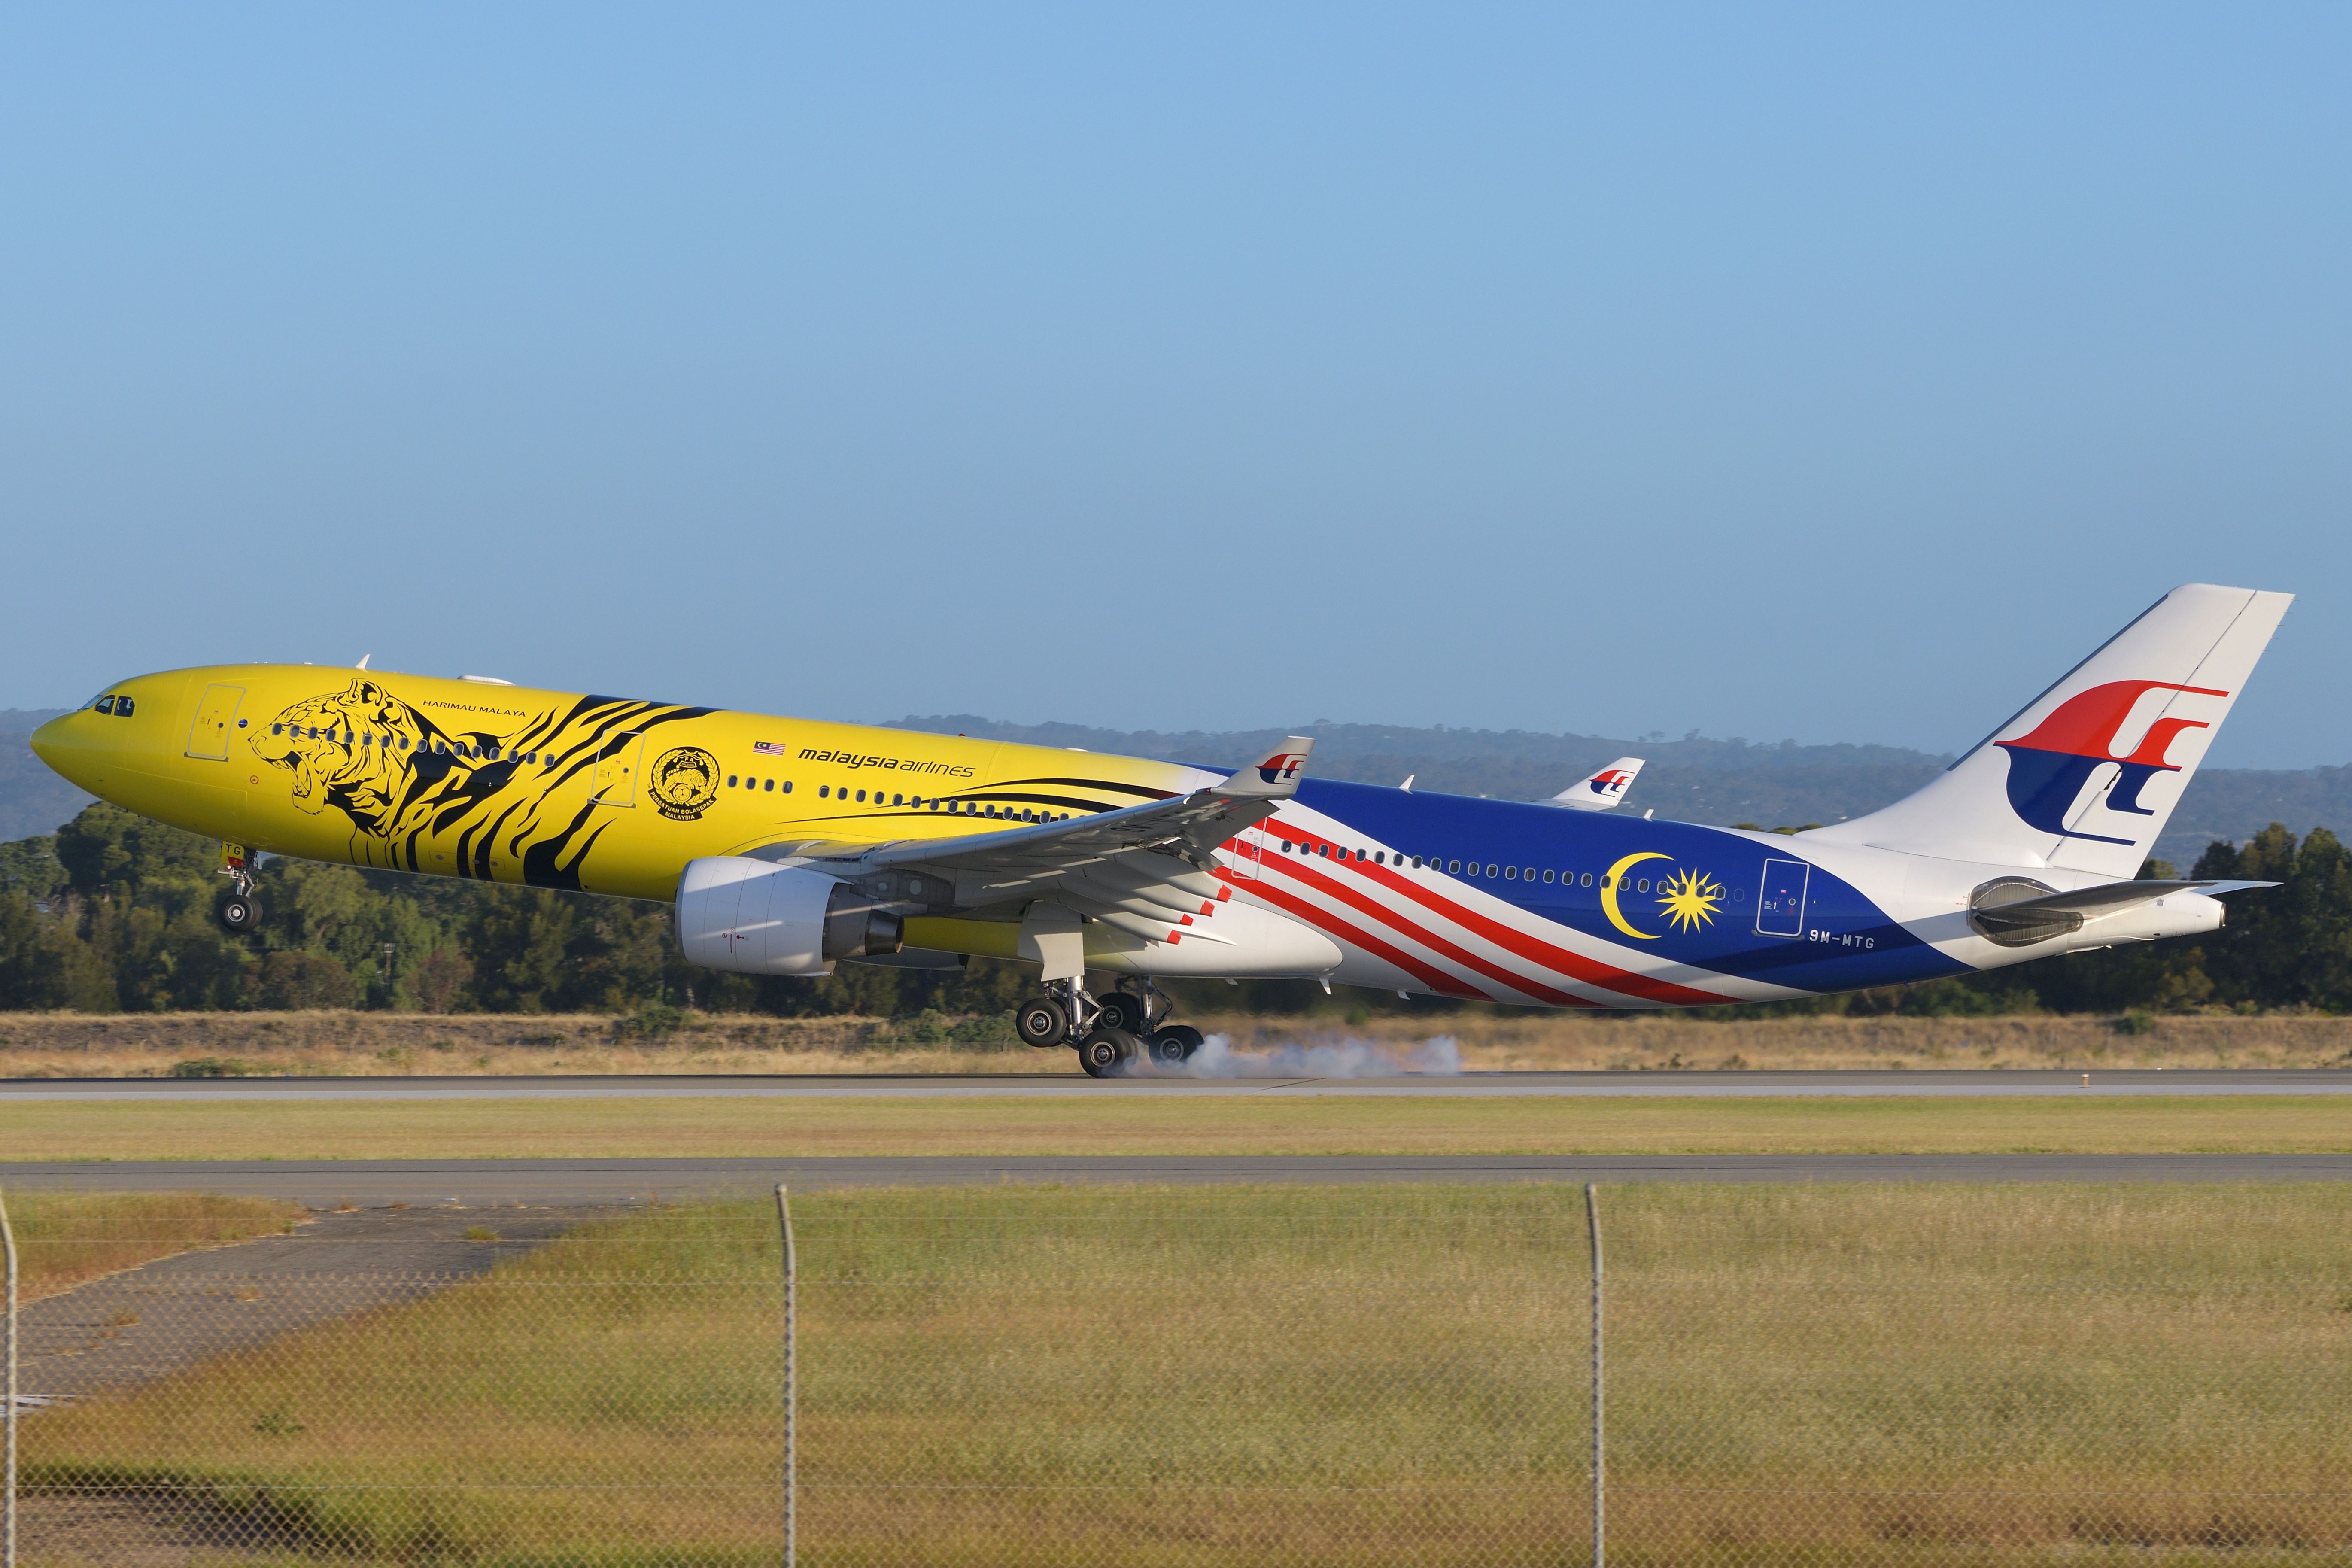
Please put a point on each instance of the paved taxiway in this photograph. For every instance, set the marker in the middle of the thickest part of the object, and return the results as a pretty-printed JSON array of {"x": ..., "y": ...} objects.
[
  {"x": 322, "y": 1183},
  {"x": 882, "y": 1086}
]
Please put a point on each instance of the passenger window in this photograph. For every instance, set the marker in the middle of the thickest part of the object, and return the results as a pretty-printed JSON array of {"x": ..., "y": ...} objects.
[
  {"x": 1510, "y": 873},
  {"x": 897, "y": 800},
  {"x": 1490, "y": 869},
  {"x": 861, "y": 796},
  {"x": 1452, "y": 866},
  {"x": 1546, "y": 874},
  {"x": 731, "y": 781},
  {"x": 1642, "y": 886},
  {"x": 788, "y": 786},
  {"x": 769, "y": 787},
  {"x": 103, "y": 705},
  {"x": 277, "y": 728}
]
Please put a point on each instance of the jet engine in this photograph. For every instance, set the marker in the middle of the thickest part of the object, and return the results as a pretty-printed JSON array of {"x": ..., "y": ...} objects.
[{"x": 755, "y": 916}]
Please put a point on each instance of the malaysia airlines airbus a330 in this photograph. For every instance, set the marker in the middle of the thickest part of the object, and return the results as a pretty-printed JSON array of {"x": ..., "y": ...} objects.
[{"x": 788, "y": 846}]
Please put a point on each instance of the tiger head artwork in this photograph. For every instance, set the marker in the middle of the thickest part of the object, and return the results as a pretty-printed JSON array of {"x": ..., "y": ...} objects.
[{"x": 400, "y": 777}]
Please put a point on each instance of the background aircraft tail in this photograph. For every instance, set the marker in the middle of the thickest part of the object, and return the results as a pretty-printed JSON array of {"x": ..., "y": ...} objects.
[
  {"x": 2084, "y": 776},
  {"x": 1602, "y": 790}
]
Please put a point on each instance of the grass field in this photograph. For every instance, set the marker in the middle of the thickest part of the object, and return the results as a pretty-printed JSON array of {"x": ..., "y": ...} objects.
[
  {"x": 1890, "y": 1375},
  {"x": 342, "y": 1043},
  {"x": 64, "y": 1239},
  {"x": 329, "y": 1130}
]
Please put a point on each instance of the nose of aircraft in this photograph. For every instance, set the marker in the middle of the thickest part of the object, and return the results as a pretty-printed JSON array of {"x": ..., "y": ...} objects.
[{"x": 66, "y": 746}]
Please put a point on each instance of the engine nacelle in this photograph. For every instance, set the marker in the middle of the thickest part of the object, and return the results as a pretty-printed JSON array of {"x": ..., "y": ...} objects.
[{"x": 755, "y": 916}]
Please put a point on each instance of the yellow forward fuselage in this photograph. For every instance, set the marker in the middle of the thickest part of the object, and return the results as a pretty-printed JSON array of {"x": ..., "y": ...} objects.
[{"x": 498, "y": 783}]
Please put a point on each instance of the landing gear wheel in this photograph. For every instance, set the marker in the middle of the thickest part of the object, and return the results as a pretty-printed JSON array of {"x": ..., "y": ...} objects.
[
  {"x": 1173, "y": 1046},
  {"x": 1040, "y": 1021},
  {"x": 1106, "y": 1051},
  {"x": 240, "y": 912},
  {"x": 1121, "y": 1010}
]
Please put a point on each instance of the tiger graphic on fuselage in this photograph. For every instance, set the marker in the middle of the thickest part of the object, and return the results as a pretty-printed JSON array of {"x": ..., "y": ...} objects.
[{"x": 401, "y": 779}]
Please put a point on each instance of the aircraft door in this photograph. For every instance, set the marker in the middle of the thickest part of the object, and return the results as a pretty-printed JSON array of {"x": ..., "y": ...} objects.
[
  {"x": 617, "y": 771},
  {"x": 1246, "y": 846},
  {"x": 1780, "y": 902},
  {"x": 215, "y": 722}
]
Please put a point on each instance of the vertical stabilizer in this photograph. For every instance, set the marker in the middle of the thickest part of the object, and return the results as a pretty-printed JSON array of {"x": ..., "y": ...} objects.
[
  {"x": 1603, "y": 790},
  {"x": 2084, "y": 777}
]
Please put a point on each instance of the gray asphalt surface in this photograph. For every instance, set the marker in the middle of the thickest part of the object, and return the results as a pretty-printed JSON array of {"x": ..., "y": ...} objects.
[
  {"x": 1735, "y": 1085},
  {"x": 321, "y": 1184},
  {"x": 152, "y": 1321}
]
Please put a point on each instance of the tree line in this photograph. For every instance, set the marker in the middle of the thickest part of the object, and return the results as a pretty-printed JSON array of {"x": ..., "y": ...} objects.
[{"x": 116, "y": 914}]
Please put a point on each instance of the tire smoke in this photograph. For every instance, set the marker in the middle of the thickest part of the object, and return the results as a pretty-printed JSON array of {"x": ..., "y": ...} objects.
[{"x": 1437, "y": 1056}]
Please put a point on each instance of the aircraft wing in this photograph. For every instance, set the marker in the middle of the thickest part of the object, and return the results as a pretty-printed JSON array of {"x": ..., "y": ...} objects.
[{"x": 1098, "y": 853}]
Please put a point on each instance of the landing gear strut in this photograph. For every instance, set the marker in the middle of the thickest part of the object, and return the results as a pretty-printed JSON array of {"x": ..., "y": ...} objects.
[
  {"x": 1110, "y": 1032},
  {"x": 240, "y": 912}
]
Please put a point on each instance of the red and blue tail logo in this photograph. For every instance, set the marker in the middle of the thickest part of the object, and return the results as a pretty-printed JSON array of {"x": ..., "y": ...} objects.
[
  {"x": 2048, "y": 768},
  {"x": 1611, "y": 780},
  {"x": 1281, "y": 768}
]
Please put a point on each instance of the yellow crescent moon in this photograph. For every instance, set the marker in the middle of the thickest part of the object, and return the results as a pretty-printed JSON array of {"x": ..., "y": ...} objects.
[{"x": 1615, "y": 880}]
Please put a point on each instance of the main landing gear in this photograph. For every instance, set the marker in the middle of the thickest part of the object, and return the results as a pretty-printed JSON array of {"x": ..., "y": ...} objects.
[{"x": 1110, "y": 1032}]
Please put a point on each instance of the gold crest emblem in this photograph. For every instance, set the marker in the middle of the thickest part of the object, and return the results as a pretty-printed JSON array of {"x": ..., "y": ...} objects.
[{"x": 685, "y": 783}]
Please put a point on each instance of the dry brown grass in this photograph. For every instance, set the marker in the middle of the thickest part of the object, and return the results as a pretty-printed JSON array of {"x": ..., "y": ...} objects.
[
  {"x": 1188, "y": 1123},
  {"x": 37, "y": 1044},
  {"x": 1899, "y": 1374},
  {"x": 65, "y": 1239}
]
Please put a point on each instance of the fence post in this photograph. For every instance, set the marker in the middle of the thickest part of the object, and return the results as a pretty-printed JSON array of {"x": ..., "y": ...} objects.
[
  {"x": 792, "y": 1384},
  {"x": 8, "y": 1465},
  {"x": 1600, "y": 1453}
]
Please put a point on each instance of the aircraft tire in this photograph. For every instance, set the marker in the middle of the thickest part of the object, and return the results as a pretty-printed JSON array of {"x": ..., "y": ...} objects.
[
  {"x": 1040, "y": 1021},
  {"x": 1121, "y": 1010},
  {"x": 1107, "y": 1052},
  {"x": 240, "y": 912},
  {"x": 1174, "y": 1045}
]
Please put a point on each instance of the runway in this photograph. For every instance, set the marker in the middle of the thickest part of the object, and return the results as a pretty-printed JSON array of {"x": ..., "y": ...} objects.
[
  {"x": 323, "y": 1183},
  {"x": 882, "y": 1086}
]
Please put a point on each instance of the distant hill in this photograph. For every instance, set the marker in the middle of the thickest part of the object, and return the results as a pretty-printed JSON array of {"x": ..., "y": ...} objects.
[
  {"x": 33, "y": 800},
  {"x": 1691, "y": 780}
]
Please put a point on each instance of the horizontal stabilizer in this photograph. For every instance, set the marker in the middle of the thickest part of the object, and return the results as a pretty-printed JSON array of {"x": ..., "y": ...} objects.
[
  {"x": 2023, "y": 919},
  {"x": 1603, "y": 790}
]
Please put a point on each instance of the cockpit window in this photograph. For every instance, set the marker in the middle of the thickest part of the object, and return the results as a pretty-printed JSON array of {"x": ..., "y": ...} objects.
[
  {"x": 103, "y": 705},
  {"x": 122, "y": 706}
]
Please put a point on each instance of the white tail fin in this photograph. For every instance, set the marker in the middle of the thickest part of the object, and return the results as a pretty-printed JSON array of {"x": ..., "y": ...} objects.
[
  {"x": 2085, "y": 775},
  {"x": 1603, "y": 790}
]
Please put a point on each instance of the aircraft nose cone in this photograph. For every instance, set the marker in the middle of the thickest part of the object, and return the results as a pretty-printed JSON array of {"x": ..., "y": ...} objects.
[{"x": 57, "y": 744}]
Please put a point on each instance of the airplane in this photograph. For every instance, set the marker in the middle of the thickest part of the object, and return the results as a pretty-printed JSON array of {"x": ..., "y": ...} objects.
[{"x": 788, "y": 846}]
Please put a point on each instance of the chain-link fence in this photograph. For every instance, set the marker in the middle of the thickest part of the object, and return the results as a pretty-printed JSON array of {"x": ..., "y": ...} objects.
[{"x": 1367, "y": 1375}]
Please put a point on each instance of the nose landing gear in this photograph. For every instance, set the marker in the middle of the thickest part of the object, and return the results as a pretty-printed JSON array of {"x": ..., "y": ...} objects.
[{"x": 240, "y": 912}]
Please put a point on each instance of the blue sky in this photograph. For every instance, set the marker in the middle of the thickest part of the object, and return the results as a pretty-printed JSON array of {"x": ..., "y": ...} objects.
[{"x": 1825, "y": 374}]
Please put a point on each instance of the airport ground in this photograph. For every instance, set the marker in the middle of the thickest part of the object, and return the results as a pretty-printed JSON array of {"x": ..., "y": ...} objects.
[
  {"x": 53, "y": 1045},
  {"x": 193, "y": 1125},
  {"x": 1806, "y": 1372}
]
